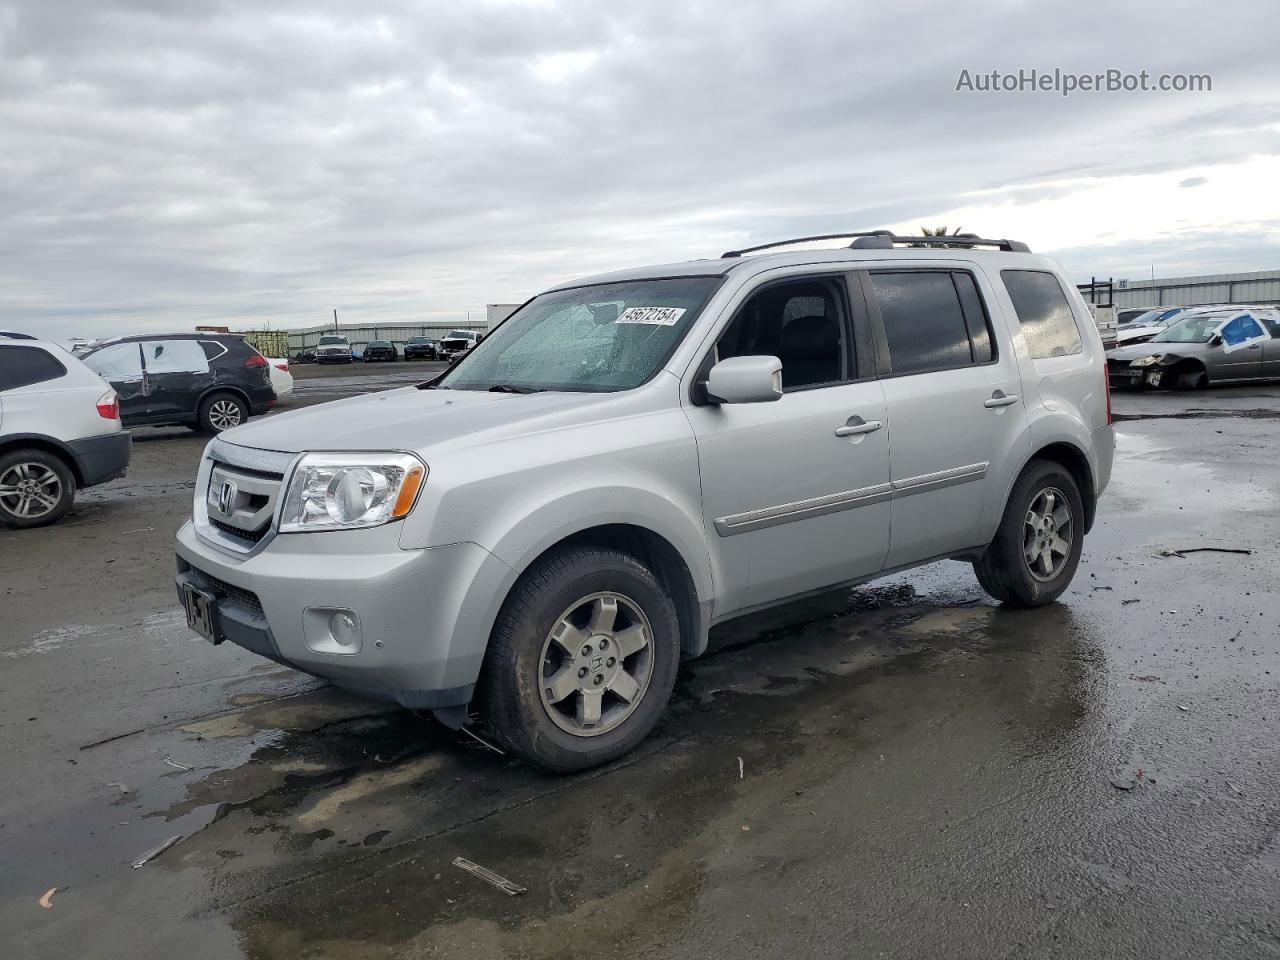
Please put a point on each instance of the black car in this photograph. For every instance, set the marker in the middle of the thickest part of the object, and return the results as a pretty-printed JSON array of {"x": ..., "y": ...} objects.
[
  {"x": 421, "y": 348},
  {"x": 210, "y": 382},
  {"x": 305, "y": 356},
  {"x": 380, "y": 350}
]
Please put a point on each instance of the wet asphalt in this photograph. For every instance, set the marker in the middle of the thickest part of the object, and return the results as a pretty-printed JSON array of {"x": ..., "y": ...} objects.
[{"x": 900, "y": 770}]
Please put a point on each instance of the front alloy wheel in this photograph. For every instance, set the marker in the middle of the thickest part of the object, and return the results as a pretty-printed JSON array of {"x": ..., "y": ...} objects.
[
  {"x": 596, "y": 664},
  {"x": 582, "y": 658}
]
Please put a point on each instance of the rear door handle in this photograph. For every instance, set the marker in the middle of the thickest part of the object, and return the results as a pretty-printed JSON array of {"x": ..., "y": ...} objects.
[
  {"x": 856, "y": 425},
  {"x": 1001, "y": 399}
]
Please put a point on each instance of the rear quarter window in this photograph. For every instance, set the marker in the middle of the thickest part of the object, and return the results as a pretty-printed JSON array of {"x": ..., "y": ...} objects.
[
  {"x": 24, "y": 366},
  {"x": 1044, "y": 313}
]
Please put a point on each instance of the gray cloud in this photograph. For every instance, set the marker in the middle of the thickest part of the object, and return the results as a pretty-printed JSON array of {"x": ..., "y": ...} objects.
[
  {"x": 1192, "y": 182},
  {"x": 163, "y": 164}
]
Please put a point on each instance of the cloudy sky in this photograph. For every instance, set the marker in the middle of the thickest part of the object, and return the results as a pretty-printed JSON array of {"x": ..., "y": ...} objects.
[{"x": 164, "y": 164}]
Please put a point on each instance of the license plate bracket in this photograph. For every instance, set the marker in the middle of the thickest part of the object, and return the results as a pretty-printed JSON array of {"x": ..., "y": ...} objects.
[{"x": 201, "y": 607}]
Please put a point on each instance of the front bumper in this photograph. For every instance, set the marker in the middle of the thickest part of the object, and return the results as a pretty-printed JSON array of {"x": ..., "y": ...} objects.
[
  {"x": 423, "y": 616},
  {"x": 104, "y": 458}
]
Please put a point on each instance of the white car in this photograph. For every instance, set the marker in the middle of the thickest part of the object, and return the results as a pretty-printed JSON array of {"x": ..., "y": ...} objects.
[
  {"x": 334, "y": 348},
  {"x": 281, "y": 378},
  {"x": 60, "y": 430}
]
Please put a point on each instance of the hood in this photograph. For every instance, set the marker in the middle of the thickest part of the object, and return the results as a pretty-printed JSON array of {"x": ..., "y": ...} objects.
[
  {"x": 1134, "y": 351},
  {"x": 413, "y": 419}
]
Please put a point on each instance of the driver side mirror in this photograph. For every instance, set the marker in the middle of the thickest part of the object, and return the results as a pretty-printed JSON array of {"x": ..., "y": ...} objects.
[
  {"x": 1215, "y": 340},
  {"x": 745, "y": 380}
]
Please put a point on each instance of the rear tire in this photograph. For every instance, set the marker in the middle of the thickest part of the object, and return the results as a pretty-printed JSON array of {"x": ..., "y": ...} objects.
[
  {"x": 1036, "y": 549},
  {"x": 582, "y": 659},
  {"x": 221, "y": 411},
  {"x": 36, "y": 488}
]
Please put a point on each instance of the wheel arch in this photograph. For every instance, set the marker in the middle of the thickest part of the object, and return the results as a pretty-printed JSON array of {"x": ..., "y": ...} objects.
[
  {"x": 669, "y": 563},
  {"x": 39, "y": 441},
  {"x": 231, "y": 388},
  {"x": 1076, "y": 462}
]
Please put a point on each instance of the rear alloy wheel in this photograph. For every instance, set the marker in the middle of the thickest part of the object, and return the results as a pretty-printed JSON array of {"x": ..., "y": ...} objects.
[
  {"x": 1034, "y": 554},
  {"x": 222, "y": 411},
  {"x": 582, "y": 659},
  {"x": 36, "y": 488}
]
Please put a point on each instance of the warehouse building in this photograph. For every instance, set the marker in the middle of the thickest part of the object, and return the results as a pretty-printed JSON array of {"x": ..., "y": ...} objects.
[{"x": 1262, "y": 286}]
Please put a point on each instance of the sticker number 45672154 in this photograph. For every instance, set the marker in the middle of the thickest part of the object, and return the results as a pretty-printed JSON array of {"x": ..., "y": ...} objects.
[{"x": 661, "y": 316}]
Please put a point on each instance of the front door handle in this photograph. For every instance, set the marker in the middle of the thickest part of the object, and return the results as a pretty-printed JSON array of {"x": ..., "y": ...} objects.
[
  {"x": 1001, "y": 399},
  {"x": 856, "y": 426}
]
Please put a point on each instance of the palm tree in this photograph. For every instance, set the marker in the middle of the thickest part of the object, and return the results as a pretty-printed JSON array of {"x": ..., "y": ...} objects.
[{"x": 939, "y": 232}]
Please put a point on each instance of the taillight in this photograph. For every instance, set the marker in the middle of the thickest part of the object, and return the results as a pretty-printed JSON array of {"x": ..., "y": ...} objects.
[
  {"x": 109, "y": 406},
  {"x": 255, "y": 360},
  {"x": 283, "y": 366},
  {"x": 1106, "y": 385}
]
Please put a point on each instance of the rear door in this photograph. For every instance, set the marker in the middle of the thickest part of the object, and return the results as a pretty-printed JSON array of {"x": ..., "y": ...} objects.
[
  {"x": 1271, "y": 346},
  {"x": 795, "y": 491},
  {"x": 177, "y": 372},
  {"x": 956, "y": 417},
  {"x": 121, "y": 366}
]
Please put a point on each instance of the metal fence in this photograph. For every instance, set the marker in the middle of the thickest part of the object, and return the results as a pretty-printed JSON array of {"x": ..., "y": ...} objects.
[
  {"x": 1262, "y": 286},
  {"x": 397, "y": 333}
]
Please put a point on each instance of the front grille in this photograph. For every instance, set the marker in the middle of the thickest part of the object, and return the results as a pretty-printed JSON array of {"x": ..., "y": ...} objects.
[
  {"x": 240, "y": 501},
  {"x": 237, "y": 595},
  {"x": 249, "y": 536}
]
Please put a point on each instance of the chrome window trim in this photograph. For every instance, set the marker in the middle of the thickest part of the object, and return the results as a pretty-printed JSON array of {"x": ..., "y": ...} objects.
[{"x": 737, "y": 523}]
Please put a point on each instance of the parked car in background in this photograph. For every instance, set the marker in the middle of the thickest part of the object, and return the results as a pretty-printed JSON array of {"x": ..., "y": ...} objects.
[
  {"x": 333, "y": 348},
  {"x": 206, "y": 381},
  {"x": 457, "y": 343},
  {"x": 1146, "y": 325},
  {"x": 305, "y": 356},
  {"x": 1204, "y": 347},
  {"x": 420, "y": 348},
  {"x": 380, "y": 351},
  {"x": 281, "y": 378},
  {"x": 357, "y": 352},
  {"x": 60, "y": 431},
  {"x": 549, "y": 527},
  {"x": 1126, "y": 314}
]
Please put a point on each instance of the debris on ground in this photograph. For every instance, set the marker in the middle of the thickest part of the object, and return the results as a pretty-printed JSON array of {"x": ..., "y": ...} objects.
[
  {"x": 177, "y": 765},
  {"x": 1182, "y": 552},
  {"x": 741, "y": 770},
  {"x": 156, "y": 851},
  {"x": 1120, "y": 784},
  {"x": 47, "y": 900},
  {"x": 1125, "y": 603},
  {"x": 1184, "y": 708},
  {"x": 488, "y": 876},
  {"x": 111, "y": 739},
  {"x": 483, "y": 742},
  {"x": 1234, "y": 789}
]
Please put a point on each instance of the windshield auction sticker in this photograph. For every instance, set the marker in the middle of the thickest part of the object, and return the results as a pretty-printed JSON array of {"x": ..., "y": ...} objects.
[{"x": 659, "y": 316}]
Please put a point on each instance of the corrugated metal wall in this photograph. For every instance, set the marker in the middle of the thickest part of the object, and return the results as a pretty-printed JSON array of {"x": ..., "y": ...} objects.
[{"x": 1262, "y": 286}]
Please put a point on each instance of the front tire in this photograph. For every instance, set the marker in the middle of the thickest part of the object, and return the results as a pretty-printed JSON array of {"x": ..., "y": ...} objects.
[
  {"x": 36, "y": 488},
  {"x": 221, "y": 411},
  {"x": 1036, "y": 549},
  {"x": 582, "y": 659}
]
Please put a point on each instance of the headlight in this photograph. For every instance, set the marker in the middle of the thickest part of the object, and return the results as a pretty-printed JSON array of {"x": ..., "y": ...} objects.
[
  {"x": 345, "y": 491},
  {"x": 1146, "y": 361}
]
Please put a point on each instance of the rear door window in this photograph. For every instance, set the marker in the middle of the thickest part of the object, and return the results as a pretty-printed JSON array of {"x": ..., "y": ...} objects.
[
  {"x": 933, "y": 319},
  {"x": 174, "y": 356},
  {"x": 24, "y": 366},
  {"x": 1043, "y": 312}
]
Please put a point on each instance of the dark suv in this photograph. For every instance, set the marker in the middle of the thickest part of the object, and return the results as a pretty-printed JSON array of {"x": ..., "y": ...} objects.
[
  {"x": 211, "y": 382},
  {"x": 380, "y": 350},
  {"x": 420, "y": 348}
]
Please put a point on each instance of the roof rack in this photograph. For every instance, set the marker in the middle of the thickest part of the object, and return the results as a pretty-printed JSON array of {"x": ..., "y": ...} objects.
[{"x": 887, "y": 240}]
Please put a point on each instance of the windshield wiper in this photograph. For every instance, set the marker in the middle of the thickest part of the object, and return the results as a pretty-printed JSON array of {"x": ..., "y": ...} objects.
[{"x": 512, "y": 388}]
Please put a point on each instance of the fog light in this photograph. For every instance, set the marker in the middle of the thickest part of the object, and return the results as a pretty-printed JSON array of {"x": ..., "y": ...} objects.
[{"x": 342, "y": 626}]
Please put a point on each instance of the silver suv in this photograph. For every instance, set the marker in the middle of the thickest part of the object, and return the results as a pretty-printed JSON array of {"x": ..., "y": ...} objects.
[{"x": 544, "y": 531}]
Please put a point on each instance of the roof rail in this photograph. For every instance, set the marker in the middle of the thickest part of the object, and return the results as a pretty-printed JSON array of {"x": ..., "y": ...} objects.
[
  {"x": 11, "y": 335},
  {"x": 886, "y": 240}
]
